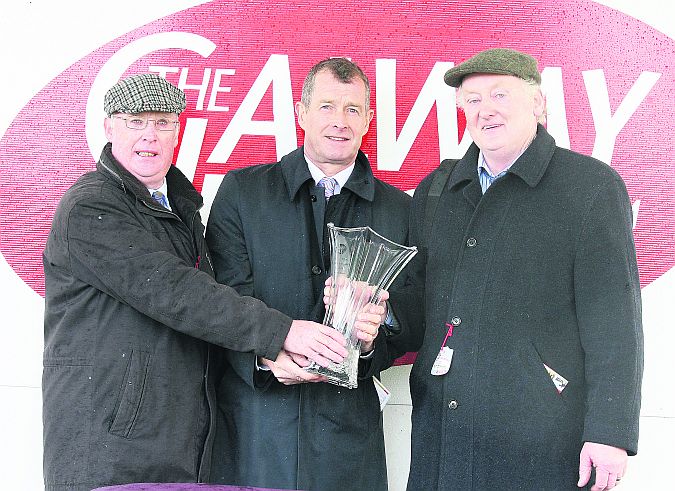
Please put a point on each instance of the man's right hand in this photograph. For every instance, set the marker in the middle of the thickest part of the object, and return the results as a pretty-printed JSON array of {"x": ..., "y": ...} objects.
[
  {"x": 317, "y": 342},
  {"x": 288, "y": 372}
]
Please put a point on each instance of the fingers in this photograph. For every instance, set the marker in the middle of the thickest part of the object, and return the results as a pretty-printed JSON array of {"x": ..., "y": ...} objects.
[
  {"x": 605, "y": 480},
  {"x": 374, "y": 314},
  {"x": 584, "y": 475},
  {"x": 368, "y": 322},
  {"x": 366, "y": 331},
  {"x": 601, "y": 477},
  {"x": 384, "y": 296},
  {"x": 288, "y": 372},
  {"x": 317, "y": 342},
  {"x": 301, "y": 361},
  {"x": 609, "y": 463}
]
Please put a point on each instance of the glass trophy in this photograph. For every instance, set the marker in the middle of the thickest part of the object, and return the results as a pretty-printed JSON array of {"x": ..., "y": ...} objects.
[{"x": 363, "y": 263}]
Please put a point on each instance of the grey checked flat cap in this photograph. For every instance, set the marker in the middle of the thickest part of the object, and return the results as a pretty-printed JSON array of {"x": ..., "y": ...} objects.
[
  {"x": 501, "y": 61},
  {"x": 147, "y": 92}
]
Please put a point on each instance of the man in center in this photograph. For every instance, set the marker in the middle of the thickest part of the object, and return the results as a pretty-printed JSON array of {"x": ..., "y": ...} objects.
[{"x": 279, "y": 426}]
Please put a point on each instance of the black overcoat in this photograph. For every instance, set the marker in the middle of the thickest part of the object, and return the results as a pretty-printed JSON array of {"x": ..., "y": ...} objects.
[
  {"x": 310, "y": 436},
  {"x": 540, "y": 270},
  {"x": 131, "y": 310}
]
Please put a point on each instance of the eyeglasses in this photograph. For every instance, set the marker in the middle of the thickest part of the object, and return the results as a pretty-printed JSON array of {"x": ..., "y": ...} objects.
[{"x": 138, "y": 123}]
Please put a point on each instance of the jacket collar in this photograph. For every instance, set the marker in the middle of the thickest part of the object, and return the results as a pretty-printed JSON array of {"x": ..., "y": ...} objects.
[
  {"x": 295, "y": 172},
  {"x": 180, "y": 188},
  {"x": 530, "y": 166}
]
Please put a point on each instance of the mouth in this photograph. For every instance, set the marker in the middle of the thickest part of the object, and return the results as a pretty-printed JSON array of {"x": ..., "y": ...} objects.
[
  {"x": 491, "y": 126},
  {"x": 337, "y": 138},
  {"x": 143, "y": 153}
]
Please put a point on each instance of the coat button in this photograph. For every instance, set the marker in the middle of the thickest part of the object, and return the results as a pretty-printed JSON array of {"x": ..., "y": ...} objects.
[
  {"x": 453, "y": 404},
  {"x": 456, "y": 321},
  {"x": 471, "y": 242},
  {"x": 312, "y": 198},
  {"x": 316, "y": 270}
]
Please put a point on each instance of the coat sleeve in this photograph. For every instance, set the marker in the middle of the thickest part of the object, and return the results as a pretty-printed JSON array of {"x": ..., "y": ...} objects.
[
  {"x": 110, "y": 249},
  {"x": 407, "y": 298},
  {"x": 227, "y": 243},
  {"x": 608, "y": 308}
]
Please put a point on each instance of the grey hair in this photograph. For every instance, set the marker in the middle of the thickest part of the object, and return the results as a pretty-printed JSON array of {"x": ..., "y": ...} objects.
[{"x": 342, "y": 69}]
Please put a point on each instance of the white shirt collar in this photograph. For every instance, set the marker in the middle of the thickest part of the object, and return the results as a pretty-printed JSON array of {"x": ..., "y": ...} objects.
[
  {"x": 341, "y": 177},
  {"x": 164, "y": 189}
]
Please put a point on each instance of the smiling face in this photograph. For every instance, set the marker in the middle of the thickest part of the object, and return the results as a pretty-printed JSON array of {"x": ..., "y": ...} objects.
[
  {"x": 334, "y": 120},
  {"x": 501, "y": 115},
  {"x": 146, "y": 153}
]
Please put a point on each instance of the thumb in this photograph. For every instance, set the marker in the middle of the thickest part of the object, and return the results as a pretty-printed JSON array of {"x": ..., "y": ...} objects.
[{"x": 585, "y": 468}]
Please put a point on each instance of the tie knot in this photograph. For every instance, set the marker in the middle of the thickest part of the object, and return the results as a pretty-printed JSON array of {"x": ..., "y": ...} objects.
[
  {"x": 160, "y": 198},
  {"x": 328, "y": 184}
]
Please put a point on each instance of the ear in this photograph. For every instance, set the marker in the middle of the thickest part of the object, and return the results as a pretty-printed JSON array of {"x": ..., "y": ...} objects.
[
  {"x": 176, "y": 133},
  {"x": 369, "y": 118},
  {"x": 301, "y": 113},
  {"x": 107, "y": 126},
  {"x": 539, "y": 104}
]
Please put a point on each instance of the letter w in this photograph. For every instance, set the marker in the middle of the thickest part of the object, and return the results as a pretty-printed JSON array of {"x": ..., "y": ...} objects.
[{"x": 391, "y": 152}]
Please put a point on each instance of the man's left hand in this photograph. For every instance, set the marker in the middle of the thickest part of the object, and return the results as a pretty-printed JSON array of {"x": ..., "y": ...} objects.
[
  {"x": 609, "y": 462},
  {"x": 368, "y": 323}
]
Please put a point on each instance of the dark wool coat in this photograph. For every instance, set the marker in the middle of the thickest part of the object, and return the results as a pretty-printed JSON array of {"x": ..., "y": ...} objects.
[
  {"x": 131, "y": 307},
  {"x": 316, "y": 436},
  {"x": 539, "y": 270}
]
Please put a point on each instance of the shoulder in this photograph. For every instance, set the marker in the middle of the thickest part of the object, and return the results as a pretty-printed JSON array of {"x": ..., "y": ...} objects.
[
  {"x": 391, "y": 193},
  {"x": 254, "y": 173},
  {"x": 579, "y": 166},
  {"x": 89, "y": 199},
  {"x": 90, "y": 188},
  {"x": 391, "y": 201},
  {"x": 584, "y": 176}
]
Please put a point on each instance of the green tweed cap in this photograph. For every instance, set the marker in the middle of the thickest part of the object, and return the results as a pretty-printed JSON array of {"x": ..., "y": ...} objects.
[
  {"x": 147, "y": 92},
  {"x": 501, "y": 61}
]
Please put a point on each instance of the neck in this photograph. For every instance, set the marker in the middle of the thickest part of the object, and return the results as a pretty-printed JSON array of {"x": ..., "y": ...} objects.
[{"x": 497, "y": 161}]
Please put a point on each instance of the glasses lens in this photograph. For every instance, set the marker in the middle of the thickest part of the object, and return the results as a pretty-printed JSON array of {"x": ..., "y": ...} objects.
[
  {"x": 136, "y": 123},
  {"x": 164, "y": 124}
]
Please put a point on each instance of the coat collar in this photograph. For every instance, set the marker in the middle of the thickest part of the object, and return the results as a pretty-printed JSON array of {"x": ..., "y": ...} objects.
[
  {"x": 530, "y": 166},
  {"x": 295, "y": 172},
  {"x": 180, "y": 188}
]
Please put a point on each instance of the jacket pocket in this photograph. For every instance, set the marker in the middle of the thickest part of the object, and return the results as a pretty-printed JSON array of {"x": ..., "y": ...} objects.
[
  {"x": 543, "y": 388},
  {"x": 131, "y": 394}
]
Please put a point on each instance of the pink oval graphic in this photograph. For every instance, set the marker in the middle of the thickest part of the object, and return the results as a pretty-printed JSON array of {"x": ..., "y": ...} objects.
[{"x": 602, "y": 69}]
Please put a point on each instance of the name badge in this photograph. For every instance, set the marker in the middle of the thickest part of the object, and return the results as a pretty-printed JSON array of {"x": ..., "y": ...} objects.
[{"x": 442, "y": 362}]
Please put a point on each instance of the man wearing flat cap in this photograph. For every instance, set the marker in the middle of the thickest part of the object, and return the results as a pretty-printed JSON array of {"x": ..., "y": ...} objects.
[
  {"x": 132, "y": 310},
  {"x": 530, "y": 370}
]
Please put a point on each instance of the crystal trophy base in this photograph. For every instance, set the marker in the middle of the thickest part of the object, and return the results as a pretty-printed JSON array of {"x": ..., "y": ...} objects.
[{"x": 344, "y": 374}]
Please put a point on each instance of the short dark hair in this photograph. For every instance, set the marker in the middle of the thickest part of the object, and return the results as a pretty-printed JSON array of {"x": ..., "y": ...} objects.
[{"x": 342, "y": 69}]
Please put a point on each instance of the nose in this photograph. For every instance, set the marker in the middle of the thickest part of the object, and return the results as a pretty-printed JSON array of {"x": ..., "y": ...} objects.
[
  {"x": 340, "y": 120},
  {"x": 486, "y": 108},
  {"x": 150, "y": 132}
]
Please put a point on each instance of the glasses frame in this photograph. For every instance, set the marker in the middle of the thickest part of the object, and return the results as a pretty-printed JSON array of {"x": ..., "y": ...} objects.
[{"x": 147, "y": 120}]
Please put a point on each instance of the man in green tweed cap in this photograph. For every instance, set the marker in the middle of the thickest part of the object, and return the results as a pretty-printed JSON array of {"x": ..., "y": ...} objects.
[
  {"x": 133, "y": 312},
  {"x": 530, "y": 371}
]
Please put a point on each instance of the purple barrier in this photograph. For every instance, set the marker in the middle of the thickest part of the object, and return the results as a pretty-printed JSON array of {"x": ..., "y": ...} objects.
[{"x": 186, "y": 486}]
